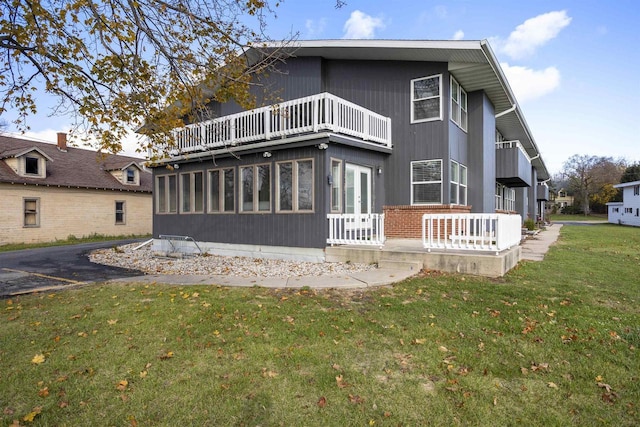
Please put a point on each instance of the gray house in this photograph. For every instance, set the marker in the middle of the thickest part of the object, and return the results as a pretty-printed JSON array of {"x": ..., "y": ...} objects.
[{"x": 368, "y": 137}]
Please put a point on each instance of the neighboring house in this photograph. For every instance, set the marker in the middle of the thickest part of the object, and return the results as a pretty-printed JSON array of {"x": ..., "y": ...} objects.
[
  {"x": 51, "y": 191},
  {"x": 626, "y": 212},
  {"x": 364, "y": 127},
  {"x": 563, "y": 199}
]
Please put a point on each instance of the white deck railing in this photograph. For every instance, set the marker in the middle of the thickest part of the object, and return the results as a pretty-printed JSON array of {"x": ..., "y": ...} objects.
[
  {"x": 513, "y": 144},
  {"x": 351, "y": 229},
  {"x": 316, "y": 113},
  {"x": 471, "y": 232}
]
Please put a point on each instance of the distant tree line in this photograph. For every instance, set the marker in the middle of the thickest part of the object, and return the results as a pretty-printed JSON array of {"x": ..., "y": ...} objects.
[{"x": 591, "y": 179}]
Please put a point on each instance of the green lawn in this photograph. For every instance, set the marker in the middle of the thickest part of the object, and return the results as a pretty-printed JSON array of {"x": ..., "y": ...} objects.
[
  {"x": 578, "y": 217},
  {"x": 553, "y": 343}
]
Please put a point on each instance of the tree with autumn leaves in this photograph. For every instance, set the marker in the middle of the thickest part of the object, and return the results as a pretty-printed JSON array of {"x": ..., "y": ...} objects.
[
  {"x": 591, "y": 179},
  {"x": 118, "y": 65}
]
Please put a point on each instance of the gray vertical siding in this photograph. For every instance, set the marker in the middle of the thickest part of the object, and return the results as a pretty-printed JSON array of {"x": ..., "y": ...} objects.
[
  {"x": 385, "y": 87},
  {"x": 482, "y": 153}
]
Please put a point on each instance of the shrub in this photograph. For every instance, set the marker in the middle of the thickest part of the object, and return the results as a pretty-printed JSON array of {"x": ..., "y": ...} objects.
[{"x": 530, "y": 224}]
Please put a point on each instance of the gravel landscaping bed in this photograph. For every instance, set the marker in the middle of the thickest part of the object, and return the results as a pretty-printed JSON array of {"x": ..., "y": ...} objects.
[{"x": 144, "y": 259}]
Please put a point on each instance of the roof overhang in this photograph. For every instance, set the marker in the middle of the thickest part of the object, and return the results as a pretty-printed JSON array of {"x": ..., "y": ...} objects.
[
  {"x": 471, "y": 62},
  {"x": 626, "y": 184}
]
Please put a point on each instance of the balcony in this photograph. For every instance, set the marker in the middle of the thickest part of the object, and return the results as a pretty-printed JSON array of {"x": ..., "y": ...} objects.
[
  {"x": 313, "y": 114},
  {"x": 513, "y": 164},
  {"x": 542, "y": 192}
]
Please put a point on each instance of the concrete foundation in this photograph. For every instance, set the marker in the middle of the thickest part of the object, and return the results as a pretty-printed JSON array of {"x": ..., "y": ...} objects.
[{"x": 409, "y": 254}]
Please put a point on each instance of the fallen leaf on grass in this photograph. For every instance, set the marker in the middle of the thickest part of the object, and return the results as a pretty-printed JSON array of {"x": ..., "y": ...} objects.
[
  {"x": 165, "y": 356},
  {"x": 122, "y": 385},
  {"x": 341, "y": 382},
  {"x": 268, "y": 373},
  {"x": 605, "y": 386},
  {"x": 31, "y": 415},
  {"x": 322, "y": 402},
  {"x": 112, "y": 321},
  {"x": 37, "y": 359},
  {"x": 552, "y": 385},
  {"x": 43, "y": 392},
  {"x": 356, "y": 400},
  {"x": 418, "y": 341}
]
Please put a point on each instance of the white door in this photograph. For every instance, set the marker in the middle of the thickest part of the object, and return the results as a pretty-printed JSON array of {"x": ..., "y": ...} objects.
[{"x": 358, "y": 194}]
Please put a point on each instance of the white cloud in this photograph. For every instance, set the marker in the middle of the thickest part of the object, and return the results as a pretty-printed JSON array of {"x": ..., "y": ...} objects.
[
  {"x": 533, "y": 33},
  {"x": 459, "y": 35},
  {"x": 361, "y": 26},
  {"x": 315, "y": 27},
  {"x": 528, "y": 84}
]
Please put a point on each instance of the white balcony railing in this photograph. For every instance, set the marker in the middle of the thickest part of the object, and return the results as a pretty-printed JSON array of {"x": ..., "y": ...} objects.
[
  {"x": 471, "y": 232},
  {"x": 316, "y": 113},
  {"x": 352, "y": 229},
  {"x": 513, "y": 144}
]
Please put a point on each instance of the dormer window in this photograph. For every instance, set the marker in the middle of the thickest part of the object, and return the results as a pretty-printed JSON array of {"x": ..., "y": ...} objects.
[
  {"x": 131, "y": 176},
  {"x": 31, "y": 165}
]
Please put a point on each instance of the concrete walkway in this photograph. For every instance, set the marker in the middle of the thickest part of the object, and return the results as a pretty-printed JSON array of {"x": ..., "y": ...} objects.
[{"x": 533, "y": 249}]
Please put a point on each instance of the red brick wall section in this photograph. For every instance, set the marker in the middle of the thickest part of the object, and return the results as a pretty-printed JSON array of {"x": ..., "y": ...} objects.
[{"x": 405, "y": 222}]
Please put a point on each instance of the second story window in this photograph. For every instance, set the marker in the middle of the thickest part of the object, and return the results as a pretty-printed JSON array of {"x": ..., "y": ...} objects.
[
  {"x": 458, "y": 105},
  {"x": 426, "y": 102},
  {"x": 31, "y": 165}
]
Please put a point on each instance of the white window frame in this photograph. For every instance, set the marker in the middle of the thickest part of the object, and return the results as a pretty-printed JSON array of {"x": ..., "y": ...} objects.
[
  {"x": 413, "y": 183},
  {"x": 458, "y": 184},
  {"x": 166, "y": 208},
  {"x": 336, "y": 186},
  {"x": 295, "y": 190},
  {"x": 220, "y": 185},
  {"x": 35, "y": 213},
  {"x": 122, "y": 211},
  {"x": 458, "y": 104},
  {"x": 414, "y": 100},
  {"x": 255, "y": 188},
  {"x": 136, "y": 176}
]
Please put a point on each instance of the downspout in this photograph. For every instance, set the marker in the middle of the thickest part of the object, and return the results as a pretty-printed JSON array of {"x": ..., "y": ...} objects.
[{"x": 507, "y": 111}]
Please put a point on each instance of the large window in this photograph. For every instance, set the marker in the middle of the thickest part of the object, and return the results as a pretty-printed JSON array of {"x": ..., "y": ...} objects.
[
  {"x": 31, "y": 212},
  {"x": 458, "y": 105},
  {"x": 222, "y": 190},
  {"x": 295, "y": 186},
  {"x": 426, "y": 182},
  {"x": 166, "y": 194},
  {"x": 336, "y": 182},
  {"x": 256, "y": 188},
  {"x": 505, "y": 198},
  {"x": 426, "y": 103},
  {"x": 120, "y": 213},
  {"x": 192, "y": 192},
  {"x": 458, "y": 187}
]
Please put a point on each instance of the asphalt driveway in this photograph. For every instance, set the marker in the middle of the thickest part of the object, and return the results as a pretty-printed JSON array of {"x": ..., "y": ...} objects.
[{"x": 59, "y": 266}]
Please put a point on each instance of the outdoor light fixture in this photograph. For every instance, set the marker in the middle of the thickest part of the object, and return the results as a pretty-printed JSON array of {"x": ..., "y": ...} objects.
[
  {"x": 176, "y": 166},
  {"x": 323, "y": 146},
  {"x": 266, "y": 154},
  {"x": 379, "y": 170}
]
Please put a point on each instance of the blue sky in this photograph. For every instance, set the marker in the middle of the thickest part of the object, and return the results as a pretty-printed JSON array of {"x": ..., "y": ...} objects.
[{"x": 573, "y": 65}]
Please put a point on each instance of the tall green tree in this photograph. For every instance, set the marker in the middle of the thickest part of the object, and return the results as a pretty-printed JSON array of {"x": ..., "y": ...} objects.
[
  {"x": 631, "y": 173},
  {"x": 591, "y": 178},
  {"x": 118, "y": 64}
]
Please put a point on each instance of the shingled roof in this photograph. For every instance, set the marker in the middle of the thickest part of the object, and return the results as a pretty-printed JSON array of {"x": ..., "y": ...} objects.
[{"x": 72, "y": 167}]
